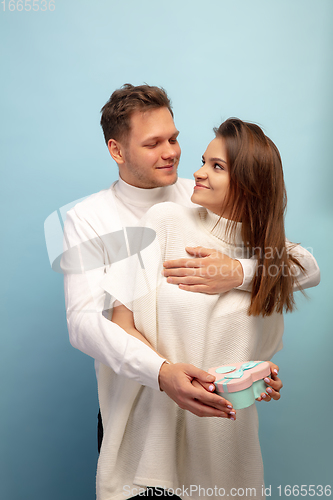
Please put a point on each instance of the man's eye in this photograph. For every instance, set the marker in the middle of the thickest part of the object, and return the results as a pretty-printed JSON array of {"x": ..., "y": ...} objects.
[
  {"x": 173, "y": 141},
  {"x": 153, "y": 145}
]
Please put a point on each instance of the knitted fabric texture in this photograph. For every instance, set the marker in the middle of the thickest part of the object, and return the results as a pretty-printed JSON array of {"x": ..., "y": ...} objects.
[{"x": 149, "y": 440}]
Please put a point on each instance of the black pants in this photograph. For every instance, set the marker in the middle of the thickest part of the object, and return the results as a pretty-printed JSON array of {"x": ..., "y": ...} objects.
[
  {"x": 99, "y": 431},
  {"x": 154, "y": 493},
  {"x": 151, "y": 492}
]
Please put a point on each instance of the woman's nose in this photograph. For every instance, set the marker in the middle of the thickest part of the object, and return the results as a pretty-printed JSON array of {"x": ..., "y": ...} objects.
[{"x": 201, "y": 173}]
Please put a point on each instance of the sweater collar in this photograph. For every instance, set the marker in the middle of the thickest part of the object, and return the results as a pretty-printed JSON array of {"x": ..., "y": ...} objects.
[
  {"x": 218, "y": 227},
  {"x": 139, "y": 196}
]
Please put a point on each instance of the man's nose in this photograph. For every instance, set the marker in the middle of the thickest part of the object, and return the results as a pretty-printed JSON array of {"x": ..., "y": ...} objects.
[{"x": 170, "y": 151}]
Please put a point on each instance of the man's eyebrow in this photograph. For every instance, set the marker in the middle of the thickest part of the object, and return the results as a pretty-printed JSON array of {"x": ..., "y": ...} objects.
[{"x": 156, "y": 137}]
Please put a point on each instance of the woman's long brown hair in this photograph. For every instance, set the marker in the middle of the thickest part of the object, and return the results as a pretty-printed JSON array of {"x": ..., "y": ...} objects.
[{"x": 257, "y": 197}]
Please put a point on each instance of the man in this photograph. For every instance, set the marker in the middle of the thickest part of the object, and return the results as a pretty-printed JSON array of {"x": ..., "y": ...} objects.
[{"x": 142, "y": 138}]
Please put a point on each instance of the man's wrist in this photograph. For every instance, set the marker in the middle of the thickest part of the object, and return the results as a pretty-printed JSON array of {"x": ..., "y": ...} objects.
[
  {"x": 249, "y": 270},
  {"x": 238, "y": 273},
  {"x": 161, "y": 374}
]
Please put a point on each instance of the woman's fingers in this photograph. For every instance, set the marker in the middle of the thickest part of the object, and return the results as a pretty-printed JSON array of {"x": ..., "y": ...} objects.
[
  {"x": 226, "y": 412},
  {"x": 209, "y": 386},
  {"x": 274, "y": 385},
  {"x": 272, "y": 391}
]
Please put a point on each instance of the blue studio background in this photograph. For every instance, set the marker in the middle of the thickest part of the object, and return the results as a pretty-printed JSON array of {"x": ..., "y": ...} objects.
[{"x": 266, "y": 61}]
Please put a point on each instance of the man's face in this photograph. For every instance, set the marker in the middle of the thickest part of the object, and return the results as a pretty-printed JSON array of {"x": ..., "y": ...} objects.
[{"x": 151, "y": 154}]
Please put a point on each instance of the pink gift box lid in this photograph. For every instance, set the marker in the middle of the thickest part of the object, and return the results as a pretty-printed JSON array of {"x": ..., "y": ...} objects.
[{"x": 239, "y": 376}]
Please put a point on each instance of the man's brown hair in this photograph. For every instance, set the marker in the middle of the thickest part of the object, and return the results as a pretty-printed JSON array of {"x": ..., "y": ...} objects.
[{"x": 117, "y": 112}]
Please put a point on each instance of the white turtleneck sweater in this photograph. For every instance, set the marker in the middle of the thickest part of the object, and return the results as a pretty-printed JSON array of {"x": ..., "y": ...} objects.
[
  {"x": 107, "y": 212},
  {"x": 148, "y": 440},
  {"x": 103, "y": 213}
]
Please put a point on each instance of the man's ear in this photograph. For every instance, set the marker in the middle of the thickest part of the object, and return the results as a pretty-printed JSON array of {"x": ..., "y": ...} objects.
[{"x": 116, "y": 151}]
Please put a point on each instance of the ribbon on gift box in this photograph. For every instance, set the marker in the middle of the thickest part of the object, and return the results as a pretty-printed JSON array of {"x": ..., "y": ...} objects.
[{"x": 233, "y": 373}]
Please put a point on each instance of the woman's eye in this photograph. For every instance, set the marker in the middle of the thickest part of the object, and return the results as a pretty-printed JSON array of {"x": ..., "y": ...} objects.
[{"x": 218, "y": 167}]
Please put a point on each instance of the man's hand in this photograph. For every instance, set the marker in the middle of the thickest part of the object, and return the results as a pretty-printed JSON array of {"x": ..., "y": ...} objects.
[
  {"x": 192, "y": 390},
  {"x": 210, "y": 272},
  {"x": 275, "y": 384}
]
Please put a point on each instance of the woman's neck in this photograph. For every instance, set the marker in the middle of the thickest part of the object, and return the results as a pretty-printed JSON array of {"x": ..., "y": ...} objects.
[{"x": 222, "y": 228}]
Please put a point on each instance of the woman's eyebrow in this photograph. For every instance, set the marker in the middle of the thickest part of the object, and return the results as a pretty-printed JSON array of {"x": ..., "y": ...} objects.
[{"x": 218, "y": 159}]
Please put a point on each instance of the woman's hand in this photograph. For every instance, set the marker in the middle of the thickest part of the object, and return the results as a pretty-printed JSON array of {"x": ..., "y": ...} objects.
[{"x": 275, "y": 384}]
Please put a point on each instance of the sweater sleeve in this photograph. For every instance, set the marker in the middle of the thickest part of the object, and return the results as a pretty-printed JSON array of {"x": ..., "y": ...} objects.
[{"x": 89, "y": 330}]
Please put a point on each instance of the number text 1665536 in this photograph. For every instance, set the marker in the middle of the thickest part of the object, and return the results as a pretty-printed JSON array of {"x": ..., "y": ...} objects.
[{"x": 28, "y": 5}]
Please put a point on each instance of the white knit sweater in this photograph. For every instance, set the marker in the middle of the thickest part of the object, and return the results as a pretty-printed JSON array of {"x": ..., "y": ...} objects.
[{"x": 148, "y": 439}]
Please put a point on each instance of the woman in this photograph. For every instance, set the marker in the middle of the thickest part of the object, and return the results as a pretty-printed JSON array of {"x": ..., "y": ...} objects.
[{"x": 241, "y": 193}]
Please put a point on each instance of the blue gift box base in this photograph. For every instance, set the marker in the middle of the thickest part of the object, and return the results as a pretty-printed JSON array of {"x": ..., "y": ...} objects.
[{"x": 246, "y": 397}]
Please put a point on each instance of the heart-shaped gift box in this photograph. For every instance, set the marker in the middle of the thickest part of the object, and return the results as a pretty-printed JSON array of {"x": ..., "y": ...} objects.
[{"x": 241, "y": 383}]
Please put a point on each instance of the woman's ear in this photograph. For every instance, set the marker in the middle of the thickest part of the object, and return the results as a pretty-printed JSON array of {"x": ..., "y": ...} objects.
[{"x": 116, "y": 151}]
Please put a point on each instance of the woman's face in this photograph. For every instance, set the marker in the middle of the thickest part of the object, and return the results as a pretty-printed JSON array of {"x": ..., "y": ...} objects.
[{"x": 212, "y": 179}]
